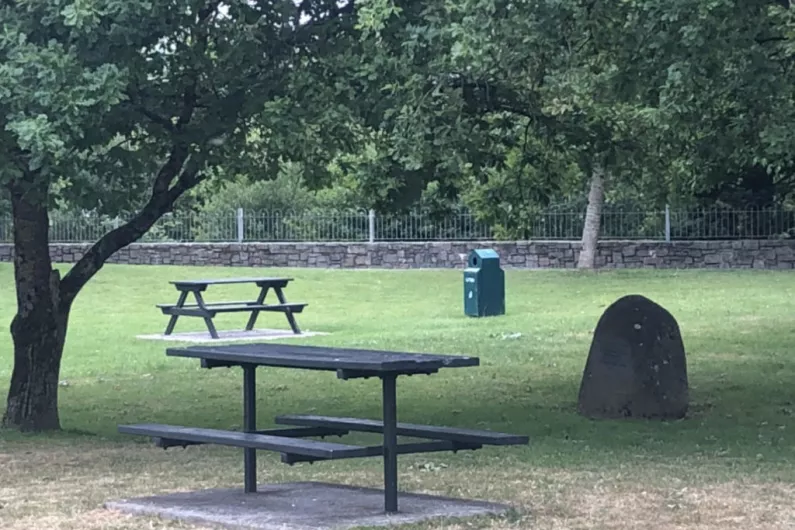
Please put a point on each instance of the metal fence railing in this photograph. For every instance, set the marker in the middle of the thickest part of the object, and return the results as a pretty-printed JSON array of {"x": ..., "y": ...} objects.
[{"x": 552, "y": 224}]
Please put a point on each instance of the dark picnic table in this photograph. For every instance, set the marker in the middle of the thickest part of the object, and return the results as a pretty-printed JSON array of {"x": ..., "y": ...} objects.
[
  {"x": 207, "y": 311},
  {"x": 292, "y": 441}
]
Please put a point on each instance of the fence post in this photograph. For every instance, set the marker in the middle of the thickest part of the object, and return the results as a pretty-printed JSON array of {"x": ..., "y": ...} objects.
[
  {"x": 240, "y": 225},
  {"x": 667, "y": 224},
  {"x": 371, "y": 223}
]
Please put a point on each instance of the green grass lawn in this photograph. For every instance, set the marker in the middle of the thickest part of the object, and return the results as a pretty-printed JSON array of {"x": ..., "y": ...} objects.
[{"x": 737, "y": 327}]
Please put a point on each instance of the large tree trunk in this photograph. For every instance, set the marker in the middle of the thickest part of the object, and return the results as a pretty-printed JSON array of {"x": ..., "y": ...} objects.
[
  {"x": 39, "y": 327},
  {"x": 39, "y": 338},
  {"x": 44, "y": 299},
  {"x": 593, "y": 220}
]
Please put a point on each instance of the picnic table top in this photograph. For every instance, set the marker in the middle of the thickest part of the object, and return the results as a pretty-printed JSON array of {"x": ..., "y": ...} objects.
[
  {"x": 324, "y": 358},
  {"x": 215, "y": 281}
]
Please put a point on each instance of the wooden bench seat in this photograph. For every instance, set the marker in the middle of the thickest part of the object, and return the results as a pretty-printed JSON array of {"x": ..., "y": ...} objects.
[
  {"x": 239, "y": 307},
  {"x": 288, "y": 432},
  {"x": 401, "y": 449},
  {"x": 209, "y": 304},
  {"x": 469, "y": 436},
  {"x": 286, "y": 445}
]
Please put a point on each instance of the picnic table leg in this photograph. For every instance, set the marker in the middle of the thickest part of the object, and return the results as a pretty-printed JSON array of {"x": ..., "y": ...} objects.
[
  {"x": 249, "y": 425},
  {"x": 207, "y": 320},
  {"x": 254, "y": 314},
  {"x": 287, "y": 312},
  {"x": 389, "y": 382},
  {"x": 183, "y": 295}
]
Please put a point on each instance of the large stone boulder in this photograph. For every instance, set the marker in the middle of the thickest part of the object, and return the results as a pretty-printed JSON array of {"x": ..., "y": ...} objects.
[{"x": 636, "y": 367}]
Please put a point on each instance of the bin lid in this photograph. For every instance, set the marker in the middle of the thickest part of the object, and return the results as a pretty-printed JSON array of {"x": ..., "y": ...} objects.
[
  {"x": 482, "y": 254},
  {"x": 485, "y": 253}
]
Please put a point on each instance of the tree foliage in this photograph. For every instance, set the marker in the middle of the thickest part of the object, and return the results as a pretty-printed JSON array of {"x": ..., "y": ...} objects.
[
  {"x": 116, "y": 104},
  {"x": 683, "y": 102}
]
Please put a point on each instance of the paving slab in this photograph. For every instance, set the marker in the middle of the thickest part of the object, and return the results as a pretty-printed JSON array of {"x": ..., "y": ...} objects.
[
  {"x": 300, "y": 506},
  {"x": 234, "y": 335}
]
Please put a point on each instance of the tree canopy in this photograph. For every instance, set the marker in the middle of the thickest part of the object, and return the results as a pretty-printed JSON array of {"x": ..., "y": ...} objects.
[{"x": 111, "y": 105}]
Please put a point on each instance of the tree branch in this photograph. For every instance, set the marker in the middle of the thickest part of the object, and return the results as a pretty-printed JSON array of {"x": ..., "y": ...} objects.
[
  {"x": 303, "y": 31},
  {"x": 300, "y": 9},
  {"x": 153, "y": 116},
  {"x": 498, "y": 99},
  {"x": 189, "y": 100},
  {"x": 189, "y": 96},
  {"x": 172, "y": 168},
  {"x": 207, "y": 10},
  {"x": 93, "y": 260},
  {"x": 761, "y": 41}
]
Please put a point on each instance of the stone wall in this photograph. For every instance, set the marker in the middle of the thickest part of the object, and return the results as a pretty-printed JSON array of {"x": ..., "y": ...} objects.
[{"x": 762, "y": 254}]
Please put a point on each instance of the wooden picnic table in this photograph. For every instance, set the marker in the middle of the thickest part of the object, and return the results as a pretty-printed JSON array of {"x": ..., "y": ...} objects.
[
  {"x": 207, "y": 311},
  {"x": 291, "y": 441}
]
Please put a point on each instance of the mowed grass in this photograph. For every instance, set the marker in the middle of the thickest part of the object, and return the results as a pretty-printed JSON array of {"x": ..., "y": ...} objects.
[{"x": 729, "y": 464}]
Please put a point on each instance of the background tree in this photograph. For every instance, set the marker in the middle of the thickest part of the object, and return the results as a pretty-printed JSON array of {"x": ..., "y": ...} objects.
[
  {"x": 681, "y": 102},
  {"x": 564, "y": 75}
]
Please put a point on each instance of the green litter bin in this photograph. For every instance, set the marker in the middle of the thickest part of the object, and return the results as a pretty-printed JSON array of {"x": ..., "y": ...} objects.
[{"x": 484, "y": 284}]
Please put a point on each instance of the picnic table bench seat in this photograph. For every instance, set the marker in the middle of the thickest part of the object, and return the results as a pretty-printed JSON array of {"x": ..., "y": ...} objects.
[
  {"x": 433, "y": 432},
  {"x": 228, "y": 307},
  {"x": 294, "y": 450},
  {"x": 266, "y": 442}
]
